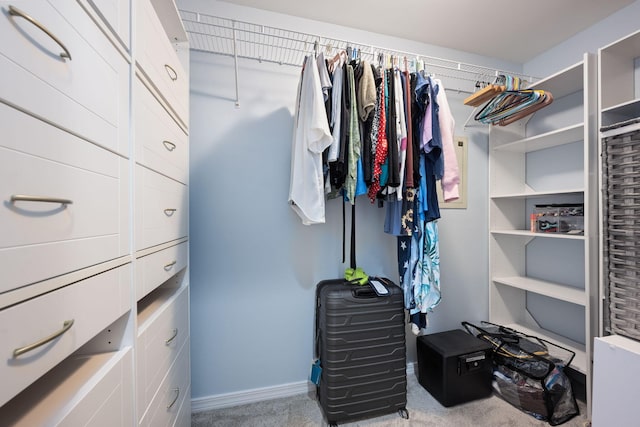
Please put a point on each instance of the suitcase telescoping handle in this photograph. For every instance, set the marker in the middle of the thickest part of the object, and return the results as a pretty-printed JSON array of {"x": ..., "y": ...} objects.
[
  {"x": 377, "y": 287},
  {"x": 364, "y": 292}
]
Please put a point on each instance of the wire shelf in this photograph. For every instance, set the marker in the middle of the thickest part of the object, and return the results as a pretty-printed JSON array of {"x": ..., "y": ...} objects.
[{"x": 263, "y": 43}]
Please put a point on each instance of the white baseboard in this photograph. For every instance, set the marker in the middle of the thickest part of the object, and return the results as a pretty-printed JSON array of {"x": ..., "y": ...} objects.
[{"x": 227, "y": 400}]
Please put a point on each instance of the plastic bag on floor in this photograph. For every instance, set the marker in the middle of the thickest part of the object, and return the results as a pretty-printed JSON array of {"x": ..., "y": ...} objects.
[{"x": 529, "y": 372}]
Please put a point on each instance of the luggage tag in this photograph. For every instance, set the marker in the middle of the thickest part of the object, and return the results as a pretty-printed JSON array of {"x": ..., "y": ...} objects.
[
  {"x": 378, "y": 287},
  {"x": 316, "y": 372}
]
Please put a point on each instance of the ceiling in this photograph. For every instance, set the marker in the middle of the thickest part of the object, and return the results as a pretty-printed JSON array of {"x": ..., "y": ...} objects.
[{"x": 515, "y": 31}]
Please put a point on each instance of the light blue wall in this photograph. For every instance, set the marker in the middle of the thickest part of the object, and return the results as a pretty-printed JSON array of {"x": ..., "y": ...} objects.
[
  {"x": 253, "y": 265},
  {"x": 569, "y": 52}
]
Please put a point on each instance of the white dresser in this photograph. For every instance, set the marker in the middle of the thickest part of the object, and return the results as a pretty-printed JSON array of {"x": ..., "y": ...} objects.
[{"x": 94, "y": 301}]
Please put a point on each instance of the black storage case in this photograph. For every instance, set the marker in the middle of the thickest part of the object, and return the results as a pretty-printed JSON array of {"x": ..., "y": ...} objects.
[
  {"x": 454, "y": 366},
  {"x": 360, "y": 341}
]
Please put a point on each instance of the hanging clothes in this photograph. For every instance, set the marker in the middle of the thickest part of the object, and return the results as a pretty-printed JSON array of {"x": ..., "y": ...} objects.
[
  {"x": 336, "y": 112},
  {"x": 451, "y": 176},
  {"x": 353, "y": 141},
  {"x": 367, "y": 96},
  {"x": 338, "y": 168},
  {"x": 389, "y": 134},
  {"x": 311, "y": 137},
  {"x": 381, "y": 145}
]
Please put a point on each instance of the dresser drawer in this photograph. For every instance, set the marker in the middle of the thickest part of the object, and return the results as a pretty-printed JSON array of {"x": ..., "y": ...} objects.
[
  {"x": 164, "y": 408},
  {"x": 87, "y": 94},
  {"x": 183, "y": 419},
  {"x": 109, "y": 402},
  {"x": 158, "y": 60},
  {"x": 92, "y": 304},
  {"x": 160, "y": 143},
  {"x": 158, "y": 343},
  {"x": 115, "y": 14},
  {"x": 154, "y": 269},
  {"x": 161, "y": 211},
  {"x": 93, "y": 390},
  {"x": 43, "y": 239}
]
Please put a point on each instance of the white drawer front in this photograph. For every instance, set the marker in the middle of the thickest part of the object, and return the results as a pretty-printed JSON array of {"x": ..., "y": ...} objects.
[
  {"x": 161, "y": 209},
  {"x": 39, "y": 240},
  {"x": 156, "y": 355},
  {"x": 154, "y": 269},
  {"x": 160, "y": 143},
  {"x": 183, "y": 419},
  {"x": 166, "y": 403},
  {"x": 95, "y": 390},
  {"x": 109, "y": 402},
  {"x": 158, "y": 60},
  {"x": 92, "y": 304},
  {"x": 87, "y": 94},
  {"x": 116, "y": 15}
]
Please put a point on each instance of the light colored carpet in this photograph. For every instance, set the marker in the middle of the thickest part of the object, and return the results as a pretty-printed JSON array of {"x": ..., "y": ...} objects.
[{"x": 424, "y": 411}]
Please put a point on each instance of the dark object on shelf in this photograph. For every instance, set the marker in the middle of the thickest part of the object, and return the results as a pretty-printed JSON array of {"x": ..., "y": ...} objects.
[
  {"x": 361, "y": 349},
  {"x": 454, "y": 366},
  {"x": 529, "y": 372}
]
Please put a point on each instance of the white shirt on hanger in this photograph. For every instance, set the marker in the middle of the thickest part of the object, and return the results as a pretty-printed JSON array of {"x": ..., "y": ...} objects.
[{"x": 311, "y": 136}]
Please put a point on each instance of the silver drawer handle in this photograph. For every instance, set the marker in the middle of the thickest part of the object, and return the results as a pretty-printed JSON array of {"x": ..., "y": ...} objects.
[
  {"x": 173, "y": 337},
  {"x": 22, "y": 350},
  {"x": 169, "y": 145},
  {"x": 168, "y": 266},
  {"x": 172, "y": 73},
  {"x": 25, "y": 198},
  {"x": 13, "y": 11},
  {"x": 170, "y": 211},
  {"x": 177, "y": 392}
]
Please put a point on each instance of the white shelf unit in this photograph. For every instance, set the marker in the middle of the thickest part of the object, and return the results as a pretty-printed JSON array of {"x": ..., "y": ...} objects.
[
  {"x": 619, "y": 73},
  {"x": 545, "y": 284},
  {"x": 618, "y": 101}
]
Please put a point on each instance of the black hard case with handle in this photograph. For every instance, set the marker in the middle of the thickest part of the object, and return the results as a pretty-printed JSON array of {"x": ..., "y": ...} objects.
[{"x": 360, "y": 341}]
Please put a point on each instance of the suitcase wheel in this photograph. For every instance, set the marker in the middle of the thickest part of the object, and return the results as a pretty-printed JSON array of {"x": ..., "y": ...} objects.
[{"x": 404, "y": 413}]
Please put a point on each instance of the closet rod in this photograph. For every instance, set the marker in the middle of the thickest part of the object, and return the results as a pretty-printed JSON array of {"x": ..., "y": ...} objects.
[{"x": 239, "y": 39}]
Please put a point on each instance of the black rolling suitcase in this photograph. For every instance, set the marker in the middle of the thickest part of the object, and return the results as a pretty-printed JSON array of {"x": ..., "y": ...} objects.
[{"x": 360, "y": 342}]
